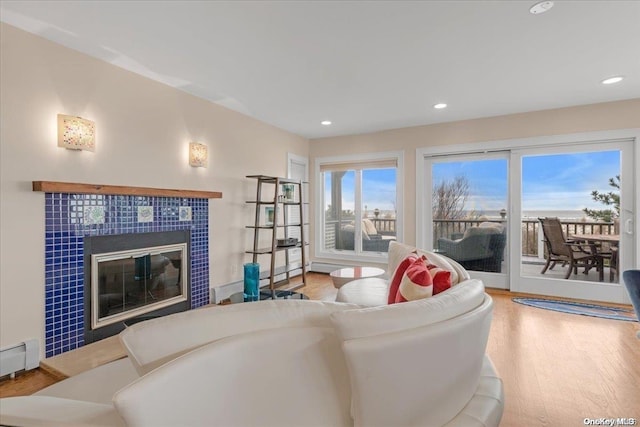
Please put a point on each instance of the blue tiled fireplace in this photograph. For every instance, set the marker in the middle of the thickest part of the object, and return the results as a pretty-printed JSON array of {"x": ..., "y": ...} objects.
[{"x": 72, "y": 217}]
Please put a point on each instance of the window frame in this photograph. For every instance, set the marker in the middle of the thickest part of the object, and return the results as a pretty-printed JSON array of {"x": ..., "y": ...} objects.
[{"x": 356, "y": 159}]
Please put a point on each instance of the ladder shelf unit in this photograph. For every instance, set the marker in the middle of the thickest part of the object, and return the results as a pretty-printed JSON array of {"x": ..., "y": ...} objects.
[{"x": 277, "y": 198}]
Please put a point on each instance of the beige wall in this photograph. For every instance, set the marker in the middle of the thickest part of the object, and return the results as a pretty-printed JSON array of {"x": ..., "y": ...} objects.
[
  {"x": 586, "y": 118},
  {"x": 143, "y": 130}
]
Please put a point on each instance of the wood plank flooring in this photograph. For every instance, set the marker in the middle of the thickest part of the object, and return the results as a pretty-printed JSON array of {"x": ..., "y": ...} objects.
[{"x": 557, "y": 368}]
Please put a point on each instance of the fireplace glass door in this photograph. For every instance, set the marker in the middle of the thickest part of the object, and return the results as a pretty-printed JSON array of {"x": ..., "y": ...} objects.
[{"x": 130, "y": 283}]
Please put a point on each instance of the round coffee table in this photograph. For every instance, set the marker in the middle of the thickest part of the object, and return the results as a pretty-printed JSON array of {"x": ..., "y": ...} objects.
[{"x": 349, "y": 274}]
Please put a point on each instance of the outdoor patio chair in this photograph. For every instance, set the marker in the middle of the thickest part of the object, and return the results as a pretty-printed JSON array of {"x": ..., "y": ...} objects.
[
  {"x": 559, "y": 249},
  {"x": 480, "y": 248},
  {"x": 372, "y": 239}
]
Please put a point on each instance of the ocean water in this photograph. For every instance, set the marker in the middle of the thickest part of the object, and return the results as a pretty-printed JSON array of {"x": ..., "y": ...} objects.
[
  {"x": 574, "y": 215},
  {"x": 562, "y": 214}
]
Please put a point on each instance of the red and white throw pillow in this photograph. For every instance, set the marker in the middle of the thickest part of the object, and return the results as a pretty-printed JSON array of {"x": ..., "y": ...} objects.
[
  {"x": 416, "y": 282},
  {"x": 397, "y": 276},
  {"x": 441, "y": 278}
]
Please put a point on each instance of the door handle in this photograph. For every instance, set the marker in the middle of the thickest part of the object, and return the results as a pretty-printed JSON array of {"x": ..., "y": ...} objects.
[{"x": 628, "y": 226}]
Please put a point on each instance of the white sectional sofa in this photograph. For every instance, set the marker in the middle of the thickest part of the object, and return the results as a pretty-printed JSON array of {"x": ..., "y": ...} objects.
[{"x": 290, "y": 363}]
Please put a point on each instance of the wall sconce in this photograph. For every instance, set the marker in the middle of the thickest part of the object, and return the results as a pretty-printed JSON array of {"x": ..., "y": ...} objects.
[
  {"x": 198, "y": 155},
  {"x": 76, "y": 133}
]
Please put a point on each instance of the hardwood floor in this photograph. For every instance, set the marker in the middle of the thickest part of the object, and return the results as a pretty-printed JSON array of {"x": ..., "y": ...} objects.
[
  {"x": 26, "y": 383},
  {"x": 557, "y": 368}
]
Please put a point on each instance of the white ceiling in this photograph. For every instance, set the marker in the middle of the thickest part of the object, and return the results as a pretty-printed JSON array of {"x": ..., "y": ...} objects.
[{"x": 365, "y": 65}]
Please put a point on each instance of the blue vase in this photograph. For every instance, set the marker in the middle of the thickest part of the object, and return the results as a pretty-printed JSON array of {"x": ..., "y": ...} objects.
[{"x": 252, "y": 281}]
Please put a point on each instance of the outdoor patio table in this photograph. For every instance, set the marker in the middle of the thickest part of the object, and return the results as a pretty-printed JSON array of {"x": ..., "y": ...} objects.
[{"x": 612, "y": 239}]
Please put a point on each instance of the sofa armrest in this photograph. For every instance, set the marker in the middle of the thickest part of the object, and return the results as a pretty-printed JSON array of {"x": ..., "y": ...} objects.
[
  {"x": 430, "y": 394},
  {"x": 42, "y": 411}
]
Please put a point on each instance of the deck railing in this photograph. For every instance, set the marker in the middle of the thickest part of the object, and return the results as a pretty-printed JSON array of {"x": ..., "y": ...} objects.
[
  {"x": 531, "y": 237},
  {"x": 532, "y": 243},
  {"x": 384, "y": 225}
]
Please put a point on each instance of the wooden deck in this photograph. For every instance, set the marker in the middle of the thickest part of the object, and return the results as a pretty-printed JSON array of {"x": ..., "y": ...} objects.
[{"x": 533, "y": 268}]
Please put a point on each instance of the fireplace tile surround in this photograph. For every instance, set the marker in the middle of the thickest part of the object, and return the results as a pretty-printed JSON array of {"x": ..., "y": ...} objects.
[{"x": 66, "y": 225}]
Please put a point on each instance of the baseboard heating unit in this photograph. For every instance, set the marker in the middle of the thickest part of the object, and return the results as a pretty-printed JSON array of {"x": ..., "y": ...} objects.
[{"x": 23, "y": 356}]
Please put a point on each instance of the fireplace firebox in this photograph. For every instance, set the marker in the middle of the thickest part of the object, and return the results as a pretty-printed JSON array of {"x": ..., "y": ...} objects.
[{"x": 133, "y": 276}]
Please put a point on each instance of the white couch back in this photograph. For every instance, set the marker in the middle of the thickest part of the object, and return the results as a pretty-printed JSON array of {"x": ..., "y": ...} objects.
[
  {"x": 154, "y": 342},
  {"x": 382, "y": 319},
  {"x": 280, "y": 377}
]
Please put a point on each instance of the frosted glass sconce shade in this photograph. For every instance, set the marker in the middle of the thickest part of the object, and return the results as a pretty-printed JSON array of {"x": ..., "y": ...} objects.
[
  {"x": 76, "y": 133},
  {"x": 198, "y": 155}
]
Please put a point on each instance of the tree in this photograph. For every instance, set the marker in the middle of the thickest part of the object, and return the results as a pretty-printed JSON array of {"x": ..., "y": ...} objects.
[
  {"x": 612, "y": 198},
  {"x": 449, "y": 198}
]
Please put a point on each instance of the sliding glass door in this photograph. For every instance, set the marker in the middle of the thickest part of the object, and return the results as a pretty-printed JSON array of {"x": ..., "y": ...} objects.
[
  {"x": 560, "y": 212},
  {"x": 469, "y": 206}
]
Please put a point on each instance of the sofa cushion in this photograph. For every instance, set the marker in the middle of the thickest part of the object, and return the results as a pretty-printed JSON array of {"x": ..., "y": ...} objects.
[
  {"x": 369, "y": 292},
  {"x": 416, "y": 282},
  {"x": 364, "y": 322},
  {"x": 397, "y": 277},
  {"x": 367, "y": 225},
  {"x": 483, "y": 229},
  {"x": 497, "y": 226}
]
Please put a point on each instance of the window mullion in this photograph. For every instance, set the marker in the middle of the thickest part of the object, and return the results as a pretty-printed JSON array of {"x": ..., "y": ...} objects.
[{"x": 357, "y": 211}]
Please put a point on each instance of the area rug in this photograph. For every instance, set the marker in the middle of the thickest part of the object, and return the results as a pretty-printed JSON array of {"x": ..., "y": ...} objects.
[{"x": 593, "y": 310}]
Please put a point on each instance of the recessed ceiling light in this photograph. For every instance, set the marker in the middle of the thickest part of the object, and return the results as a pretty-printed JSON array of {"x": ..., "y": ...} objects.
[
  {"x": 440, "y": 106},
  {"x": 325, "y": 122},
  {"x": 612, "y": 80},
  {"x": 541, "y": 7}
]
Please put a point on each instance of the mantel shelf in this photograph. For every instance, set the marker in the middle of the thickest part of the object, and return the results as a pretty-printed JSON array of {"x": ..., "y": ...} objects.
[{"x": 74, "y": 187}]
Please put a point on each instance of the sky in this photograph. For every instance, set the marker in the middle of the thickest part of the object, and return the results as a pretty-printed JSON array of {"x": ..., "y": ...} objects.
[
  {"x": 378, "y": 190},
  {"x": 550, "y": 182}
]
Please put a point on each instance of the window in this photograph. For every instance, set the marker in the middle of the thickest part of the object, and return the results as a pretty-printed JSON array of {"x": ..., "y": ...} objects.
[{"x": 366, "y": 188}]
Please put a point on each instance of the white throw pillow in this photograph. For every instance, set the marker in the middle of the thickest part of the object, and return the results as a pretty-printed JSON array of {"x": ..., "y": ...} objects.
[
  {"x": 367, "y": 225},
  {"x": 397, "y": 252}
]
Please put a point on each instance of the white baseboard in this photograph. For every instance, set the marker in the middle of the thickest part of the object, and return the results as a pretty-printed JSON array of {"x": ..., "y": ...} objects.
[
  {"x": 223, "y": 292},
  {"x": 323, "y": 267}
]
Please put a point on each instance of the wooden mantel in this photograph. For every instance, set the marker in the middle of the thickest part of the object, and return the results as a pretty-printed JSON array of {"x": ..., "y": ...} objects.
[{"x": 74, "y": 187}]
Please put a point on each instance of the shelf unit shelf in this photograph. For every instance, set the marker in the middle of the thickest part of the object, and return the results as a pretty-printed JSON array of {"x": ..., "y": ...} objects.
[
  {"x": 269, "y": 227},
  {"x": 284, "y": 195}
]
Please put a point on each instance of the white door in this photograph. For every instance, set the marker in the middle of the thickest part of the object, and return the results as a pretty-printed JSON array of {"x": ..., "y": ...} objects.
[{"x": 298, "y": 168}]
